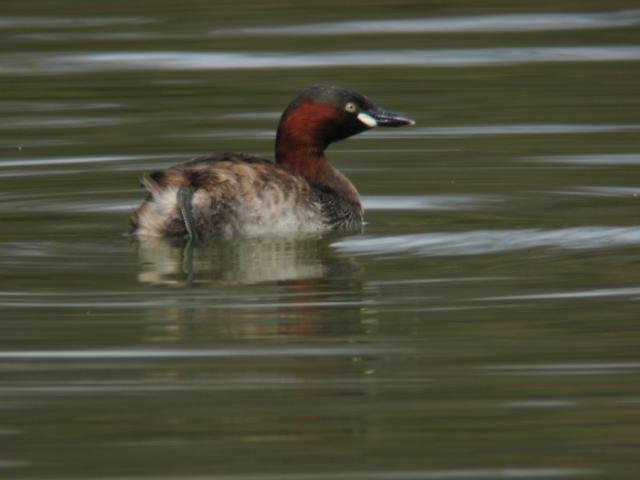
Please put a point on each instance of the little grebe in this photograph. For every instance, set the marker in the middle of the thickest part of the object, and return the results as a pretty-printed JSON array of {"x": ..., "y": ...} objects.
[{"x": 235, "y": 193}]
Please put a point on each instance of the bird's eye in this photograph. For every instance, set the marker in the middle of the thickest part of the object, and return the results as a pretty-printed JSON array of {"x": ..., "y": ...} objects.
[{"x": 350, "y": 107}]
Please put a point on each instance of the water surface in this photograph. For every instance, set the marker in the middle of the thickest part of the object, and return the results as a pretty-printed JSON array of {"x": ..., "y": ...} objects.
[{"x": 483, "y": 326}]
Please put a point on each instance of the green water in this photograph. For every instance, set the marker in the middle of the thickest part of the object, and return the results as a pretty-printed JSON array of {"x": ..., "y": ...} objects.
[{"x": 485, "y": 325}]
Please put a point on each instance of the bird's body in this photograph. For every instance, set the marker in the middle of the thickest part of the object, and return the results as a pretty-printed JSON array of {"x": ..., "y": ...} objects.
[
  {"x": 237, "y": 194},
  {"x": 241, "y": 194}
]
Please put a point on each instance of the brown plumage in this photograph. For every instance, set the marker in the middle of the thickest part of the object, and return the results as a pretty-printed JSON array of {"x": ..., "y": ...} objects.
[{"x": 231, "y": 193}]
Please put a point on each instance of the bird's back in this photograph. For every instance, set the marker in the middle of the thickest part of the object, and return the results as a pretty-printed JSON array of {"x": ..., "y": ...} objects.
[{"x": 229, "y": 194}]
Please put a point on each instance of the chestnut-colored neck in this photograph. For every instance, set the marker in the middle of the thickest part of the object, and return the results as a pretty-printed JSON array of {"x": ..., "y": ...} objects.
[
  {"x": 301, "y": 138},
  {"x": 304, "y": 133}
]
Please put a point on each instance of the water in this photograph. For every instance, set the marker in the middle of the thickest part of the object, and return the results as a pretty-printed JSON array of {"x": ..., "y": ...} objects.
[{"x": 483, "y": 326}]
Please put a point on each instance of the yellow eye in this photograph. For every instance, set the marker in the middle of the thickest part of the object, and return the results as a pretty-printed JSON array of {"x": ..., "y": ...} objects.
[{"x": 350, "y": 107}]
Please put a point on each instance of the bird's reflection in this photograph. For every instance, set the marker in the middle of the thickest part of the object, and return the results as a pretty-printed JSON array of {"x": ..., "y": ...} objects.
[
  {"x": 303, "y": 287},
  {"x": 172, "y": 262}
]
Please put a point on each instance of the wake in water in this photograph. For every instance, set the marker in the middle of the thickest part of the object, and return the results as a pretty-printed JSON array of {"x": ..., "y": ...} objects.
[{"x": 478, "y": 242}]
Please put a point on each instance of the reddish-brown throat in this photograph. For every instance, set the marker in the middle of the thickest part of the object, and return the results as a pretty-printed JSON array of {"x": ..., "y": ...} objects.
[{"x": 304, "y": 133}]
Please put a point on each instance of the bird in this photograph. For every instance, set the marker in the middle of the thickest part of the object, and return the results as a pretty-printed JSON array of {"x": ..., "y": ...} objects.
[{"x": 231, "y": 194}]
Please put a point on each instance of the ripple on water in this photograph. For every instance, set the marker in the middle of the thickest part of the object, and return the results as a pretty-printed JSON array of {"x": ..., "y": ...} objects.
[
  {"x": 275, "y": 115},
  {"x": 594, "y": 293},
  {"x": 12, "y": 123},
  {"x": 586, "y": 368},
  {"x": 14, "y": 167},
  {"x": 601, "y": 159},
  {"x": 13, "y": 464},
  {"x": 471, "y": 474},
  {"x": 70, "y": 22},
  {"x": 480, "y": 23},
  {"x": 171, "y": 354},
  {"x": 490, "y": 130},
  {"x": 29, "y": 162},
  {"x": 87, "y": 36},
  {"x": 618, "y": 192},
  {"x": 424, "y": 202},
  {"x": 16, "y": 106},
  {"x": 478, "y": 242},
  {"x": 77, "y": 205},
  {"x": 30, "y": 64}
]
